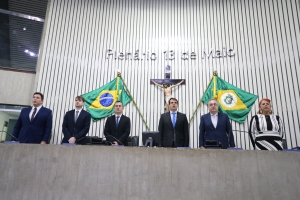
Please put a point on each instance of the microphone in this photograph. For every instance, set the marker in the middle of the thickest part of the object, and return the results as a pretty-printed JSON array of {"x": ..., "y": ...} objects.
[
  {"x": 119, "y": 142},
  {"x": 240, "y": 131},
  {"x": 230, "y": 131},
  {"x": 245, "y": 132},
  {"x": 11, "y": 135},
  {"x": 80, "y": 139},
  {"x": 99, "y": 141}
]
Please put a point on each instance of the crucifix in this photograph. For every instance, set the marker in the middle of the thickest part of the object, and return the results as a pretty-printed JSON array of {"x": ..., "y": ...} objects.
[{"x": 167, "y": 84}]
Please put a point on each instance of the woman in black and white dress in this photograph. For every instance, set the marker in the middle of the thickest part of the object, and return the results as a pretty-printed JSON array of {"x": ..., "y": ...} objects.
[{"x": 266, "y": 131}]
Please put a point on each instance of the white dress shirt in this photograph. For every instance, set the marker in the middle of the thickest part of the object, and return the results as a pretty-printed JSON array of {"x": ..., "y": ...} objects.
[
  {"x": 119, "y": 118},
  {"x": 171, "y": 114},
  {"x": 214, "y": 119},
  {"x": 78, "y": 113},
  {"x": 37, "y": 110}
]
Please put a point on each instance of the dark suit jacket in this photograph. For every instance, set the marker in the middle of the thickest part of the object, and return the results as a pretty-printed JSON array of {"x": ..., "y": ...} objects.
[
  {"x": 219, "y": 134},
  {"x": 121, "y": 133},
  {"x": 78, "y": 129},
  {"x": 167, "y": 131},
  {"x": 35, "y": 131}
]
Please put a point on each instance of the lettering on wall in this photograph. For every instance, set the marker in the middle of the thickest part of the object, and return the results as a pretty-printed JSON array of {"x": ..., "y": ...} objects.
[{"x": 169, "y": 54}]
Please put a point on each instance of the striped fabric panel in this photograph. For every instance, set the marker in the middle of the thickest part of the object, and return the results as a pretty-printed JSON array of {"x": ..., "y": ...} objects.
[
  {"x": 273, "y": 145},
  {"x": 277, "y": 127}
]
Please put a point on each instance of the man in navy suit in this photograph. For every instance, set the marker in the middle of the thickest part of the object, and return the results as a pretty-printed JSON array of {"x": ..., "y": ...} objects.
[
  {"x": 35, "y": 123},
  {"x": 117, "y": 126},
  {"x": 76, "y": 123},
  {"x": 173, "y": 127},
  {"x": 215, "y": 126}
]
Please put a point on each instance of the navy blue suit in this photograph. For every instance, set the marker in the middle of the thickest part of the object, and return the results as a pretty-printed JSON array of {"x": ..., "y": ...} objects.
[
  {"x": 121, "y": 133},
  {"x": 219, "y": 134},
  {"x": 35, "y": 131},
  {"x": 78, "y": 129},
  {"x": 181, "y": 130}
]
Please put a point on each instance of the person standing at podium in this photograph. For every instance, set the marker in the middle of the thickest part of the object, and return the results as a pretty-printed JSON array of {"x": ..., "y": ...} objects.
[
  {"x": 173, "y": 127},
  {"x": 266, "y": 128},
  {"x": 117, "y": 126},
  {"x": 76, "y": 124},
  {"x": 34, "y": 124},
  {"x": 215, "y": 126}
]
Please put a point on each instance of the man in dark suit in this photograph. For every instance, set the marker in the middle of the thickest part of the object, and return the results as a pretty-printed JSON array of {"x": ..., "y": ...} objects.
[
  {"x": 215, "y": 126},
  {"x": 173, "y": 127},
  {"x": 117, "y": 126},
  {"x": 76, "y": 123},
  {"x": 35, "y": 123}
]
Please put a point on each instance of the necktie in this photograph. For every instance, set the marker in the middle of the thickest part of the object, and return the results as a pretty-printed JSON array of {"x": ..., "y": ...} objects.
[
  {"x": 76, "y": 116},
  {"x": 173, "y": 119},
  {"x": 32, "y": 116},
  {"x": 117, "y": 121}
]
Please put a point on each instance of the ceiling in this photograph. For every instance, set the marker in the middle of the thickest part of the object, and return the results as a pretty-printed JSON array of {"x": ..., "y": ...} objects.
[{"x": 21, "y": 35}]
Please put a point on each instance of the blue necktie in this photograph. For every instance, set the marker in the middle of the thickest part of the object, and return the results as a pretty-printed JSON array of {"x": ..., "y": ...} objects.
[
  {"x": 174, "y": 119},
  {"x": 117, "y": 121}
]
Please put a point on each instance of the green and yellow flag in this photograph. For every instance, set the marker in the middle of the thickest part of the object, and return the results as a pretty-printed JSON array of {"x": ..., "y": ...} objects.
[
  {"x": 235, "y": 102},
  {"x": 100, "y": 102}
]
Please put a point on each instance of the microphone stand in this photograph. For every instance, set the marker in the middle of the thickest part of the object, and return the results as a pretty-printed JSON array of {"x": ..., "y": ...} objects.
[
  {"x": 10, "y": 135},
  {"x": 241, "y": 132},
  {"x": 73, "y": 144},
  {"x": 119, "y": 142}
]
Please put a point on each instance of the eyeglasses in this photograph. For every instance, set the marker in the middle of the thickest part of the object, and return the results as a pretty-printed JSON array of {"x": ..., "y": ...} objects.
[
  {"x": 213, "y": 104},
  {"x": 265, "y": 104}
]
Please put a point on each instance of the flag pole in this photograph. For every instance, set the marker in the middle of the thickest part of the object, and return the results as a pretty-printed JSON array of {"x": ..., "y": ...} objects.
[
  {"x": 200, "y": 103},
  {"x": 215, "y": 74},
  {"x": 119, "y": 75}
]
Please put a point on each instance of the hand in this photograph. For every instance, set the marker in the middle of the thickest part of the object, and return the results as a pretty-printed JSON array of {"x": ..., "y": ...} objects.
[
  {"x": 115, "y": 143},
  {"x": 202, "y": 147},
  {"x": 43, "y": 142},
  {"x": 72, "y": 140}
]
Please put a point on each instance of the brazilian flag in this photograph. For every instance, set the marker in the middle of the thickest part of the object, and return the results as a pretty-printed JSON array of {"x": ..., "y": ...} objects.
[
  {"x": 235, "y": 102},
  {"x": 100, "y": 102}
]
